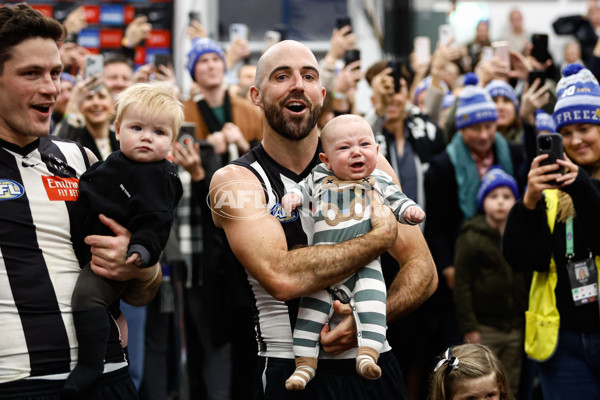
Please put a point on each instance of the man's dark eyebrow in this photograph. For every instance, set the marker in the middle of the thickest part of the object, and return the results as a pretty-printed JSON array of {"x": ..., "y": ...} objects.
[
  {"x": 285, "y": 68},
  {"x": 38, "y": 67},
  {"x": 278, "y": 69},
  {"x": 310, "y": 67}
]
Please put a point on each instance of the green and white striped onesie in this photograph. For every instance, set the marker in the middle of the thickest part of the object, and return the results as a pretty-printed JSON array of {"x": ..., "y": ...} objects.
[{"x": 340, "y": 211}]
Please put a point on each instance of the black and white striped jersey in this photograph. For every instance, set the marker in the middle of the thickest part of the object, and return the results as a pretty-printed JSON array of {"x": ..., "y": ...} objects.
[
  {"x": 275, "y": 320},
  {"x": 38, "y": 266}
]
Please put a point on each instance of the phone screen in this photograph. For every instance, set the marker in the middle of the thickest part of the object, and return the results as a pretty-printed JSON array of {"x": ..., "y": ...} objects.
[
  {"x": 422, "y": 46},
  {"x": 396, "y": 74},
  {"x": 194, "y": 16},
  {"x": 351, "y": 55},
  {"x": 540, "y": 47},
  {"x": 94, "y": 65},
  {"x": 162, "y": 59},
  {"x": 536, "y": 74},
  {"x": 342, "y": 22},
  {"x": 551, "y": 144},
  {"x": 187, "y": 131},
  {"x": 238, "y": 31},
  {"x": 501, "y": 50},
  {"x": 271, "y": 37},
  {"x": 446, "y": 34}
]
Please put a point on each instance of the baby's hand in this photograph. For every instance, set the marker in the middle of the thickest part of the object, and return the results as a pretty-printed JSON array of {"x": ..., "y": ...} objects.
[
  {"x": 136, "y": 260},
  {"x": 290, "y": 201},
  {"x": 414, "y": 214}
]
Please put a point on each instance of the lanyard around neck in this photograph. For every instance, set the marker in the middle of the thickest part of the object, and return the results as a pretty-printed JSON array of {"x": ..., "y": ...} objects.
[{"x": 569, "y": 237}]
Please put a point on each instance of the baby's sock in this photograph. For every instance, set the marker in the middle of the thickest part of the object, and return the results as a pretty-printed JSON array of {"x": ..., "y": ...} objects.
[
  {"x": 91, "y": 327},
  {"x": 305, "y": 371},
  {"x": 366, "y": 363}
]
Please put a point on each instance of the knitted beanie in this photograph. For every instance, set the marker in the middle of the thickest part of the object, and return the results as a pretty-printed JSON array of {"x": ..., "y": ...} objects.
[
  {"x": 424, "y": 85},
  {"x": 474, "y": 104},
  {"x": 201, "y": 46},
  {"x": 578, "y": 95},
  {"x": 65, "y": 76},
  {"x": 500, "y": 88},
  {"x": 544, "y": 122},
  {"x": 494, "y": 178}
]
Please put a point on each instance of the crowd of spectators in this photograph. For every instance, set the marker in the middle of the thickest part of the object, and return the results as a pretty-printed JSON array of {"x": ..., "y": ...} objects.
[{"x": 443, "y": 126}]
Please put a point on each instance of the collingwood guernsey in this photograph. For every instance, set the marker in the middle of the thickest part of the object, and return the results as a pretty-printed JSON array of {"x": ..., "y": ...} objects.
[
  {"x": 275, "y": 320},
  {"x": 38, "y": 267}
]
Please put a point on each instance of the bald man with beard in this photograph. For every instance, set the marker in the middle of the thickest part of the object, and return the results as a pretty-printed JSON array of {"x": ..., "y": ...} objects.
[{"x": 279, "y": 267}]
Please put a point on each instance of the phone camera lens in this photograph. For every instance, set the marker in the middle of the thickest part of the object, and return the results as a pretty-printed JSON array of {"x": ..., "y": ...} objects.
[{"x": 546, "y": 143}]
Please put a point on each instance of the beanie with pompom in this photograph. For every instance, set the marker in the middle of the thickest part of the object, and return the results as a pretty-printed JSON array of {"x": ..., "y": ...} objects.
[
  {"x": 578, "y": 95},
  {"x": 495, "y": 178},
  {"x": 474, "y": 104}
]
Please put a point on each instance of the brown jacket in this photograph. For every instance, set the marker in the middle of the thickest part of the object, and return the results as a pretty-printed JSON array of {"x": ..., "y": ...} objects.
[{"x": 245, "y": 115}]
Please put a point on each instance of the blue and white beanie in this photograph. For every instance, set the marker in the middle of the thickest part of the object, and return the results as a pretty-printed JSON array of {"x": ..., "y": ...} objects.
[
  {"x": 201, "y": 46},
  {"x": 65, "y": 76},
  {"x": 495, "y": 178},
  {"x": 424, "y": 85},
  {"x": 544, "y": 122},
  {"x": 578, "y": 95},
  {"x": 500, "y": 88},
  {"x": 474, "y": 104}
]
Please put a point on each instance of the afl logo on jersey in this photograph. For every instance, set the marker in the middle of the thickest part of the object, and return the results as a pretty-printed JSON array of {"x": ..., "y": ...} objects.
[
  {"x": 278, "y": 212},
  {"x": 10, "y": 190},
  {"x": 240, "y": 200}
]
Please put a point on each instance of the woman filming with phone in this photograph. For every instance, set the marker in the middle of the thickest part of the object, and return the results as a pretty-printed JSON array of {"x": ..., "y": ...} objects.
[{"x": 554, "y": 232}]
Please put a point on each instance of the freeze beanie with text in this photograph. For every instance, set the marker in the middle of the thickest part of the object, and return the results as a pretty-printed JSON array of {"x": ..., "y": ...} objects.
[
  {"x": 578, "y": 95},
  {"x": 474, "y": 105},
  {"x": 201, "y": 46}
]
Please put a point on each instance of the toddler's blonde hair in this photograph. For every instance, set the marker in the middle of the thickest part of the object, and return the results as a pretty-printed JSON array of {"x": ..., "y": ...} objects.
[{"x": 154, "y": 98}]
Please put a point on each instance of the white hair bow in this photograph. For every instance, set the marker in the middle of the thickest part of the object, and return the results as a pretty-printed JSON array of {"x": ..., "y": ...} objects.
[{"x": 449, "y": 359}]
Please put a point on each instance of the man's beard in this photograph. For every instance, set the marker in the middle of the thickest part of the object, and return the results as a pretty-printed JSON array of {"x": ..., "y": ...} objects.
[{"x": 295, "y": 127}]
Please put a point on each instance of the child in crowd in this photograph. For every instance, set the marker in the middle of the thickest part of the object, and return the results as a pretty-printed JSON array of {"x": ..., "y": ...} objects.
[
  {"x": 469, "y": 371},
  {"x": 489, "y": 297},
  {"x": 338, "y": 190},
  {"x": 138, "y": 188}
]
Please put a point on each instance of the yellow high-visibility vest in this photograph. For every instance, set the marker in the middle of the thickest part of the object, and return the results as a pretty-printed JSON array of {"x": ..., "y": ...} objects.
[{"x": 542, "y": 319}]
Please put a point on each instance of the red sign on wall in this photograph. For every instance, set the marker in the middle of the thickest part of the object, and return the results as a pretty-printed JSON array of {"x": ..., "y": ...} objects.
[
  {"x": 159, "y": 38},
  {"x": 92, "y": 14},
  {"x": 140, "y": 55},
  {"x": 129, "y": 14},
  {"x": 47, "y": 11},
  {"x": 111, "y": 38}
]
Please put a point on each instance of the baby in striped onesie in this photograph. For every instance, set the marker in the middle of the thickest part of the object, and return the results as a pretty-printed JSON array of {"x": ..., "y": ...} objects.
[{"x": 336, "y": 193}]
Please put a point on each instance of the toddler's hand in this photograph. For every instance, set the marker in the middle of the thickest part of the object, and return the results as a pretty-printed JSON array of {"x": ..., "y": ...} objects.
[
  {"x": 290, "y": 201},
  {"x": 134, "y": 259},
  {"x": 414, "y": 214}
]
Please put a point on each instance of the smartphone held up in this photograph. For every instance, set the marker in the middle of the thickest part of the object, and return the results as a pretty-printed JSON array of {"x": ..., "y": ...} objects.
[
  {"x": 551, "y": 144},
  {"x": 94, "y": 65},
  {"x": 445, "y": 34},
  {"x": 238, "y": 31},
  {"x": 342, "y": 22},
  {"x": 351, "y": 56},
  {"x": 422, "y": 46}
]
